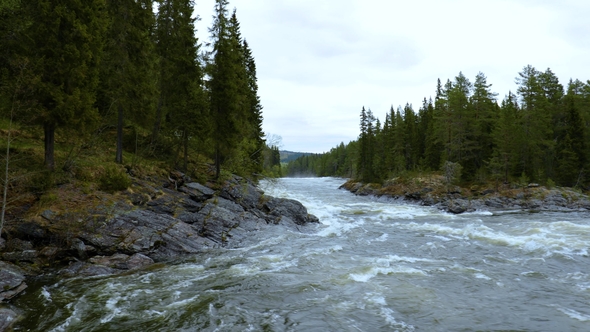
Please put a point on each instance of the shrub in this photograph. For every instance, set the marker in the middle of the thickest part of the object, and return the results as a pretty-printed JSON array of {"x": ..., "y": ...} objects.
[{"x": 114, "y": 179}]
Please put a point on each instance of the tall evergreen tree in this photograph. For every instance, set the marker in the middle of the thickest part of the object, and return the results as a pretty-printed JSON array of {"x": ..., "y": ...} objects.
[
  {"x": 128, "y": 70},
  {"x": 535, "y": 123},
  {"x": 255, "y": 118},
  {"x": 483, "y": 108},
  {"x": 182, "y": 102},
  {"x": 227, "y": 79},
  {"x": 65, "y": 44}
]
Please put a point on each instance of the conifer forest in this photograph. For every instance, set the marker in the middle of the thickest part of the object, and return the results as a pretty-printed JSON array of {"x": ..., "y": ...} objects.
[
  {"x": 538, "y": 134},
  {"x": 133, "y": 73}
]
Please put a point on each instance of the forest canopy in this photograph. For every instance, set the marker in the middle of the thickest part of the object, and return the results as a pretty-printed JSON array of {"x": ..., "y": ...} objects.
[
  {"x": 537, "y": 134},
  {"x": 133, "y": 75}
]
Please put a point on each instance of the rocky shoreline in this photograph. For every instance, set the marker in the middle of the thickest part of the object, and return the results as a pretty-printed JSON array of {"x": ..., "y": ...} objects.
[
  {"x": 145, "y": 225},
  {"x": 457, "y": 200}
]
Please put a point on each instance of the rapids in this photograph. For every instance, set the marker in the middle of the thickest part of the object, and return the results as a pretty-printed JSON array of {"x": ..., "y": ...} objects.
[{"x": 371, "y": 265}]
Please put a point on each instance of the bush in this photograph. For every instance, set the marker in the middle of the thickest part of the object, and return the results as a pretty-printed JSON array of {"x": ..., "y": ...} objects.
[{"x": 114, "y": 179}]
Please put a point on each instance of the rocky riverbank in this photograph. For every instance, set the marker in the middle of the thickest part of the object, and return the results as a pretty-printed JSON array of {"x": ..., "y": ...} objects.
[
  {"x": 454, "y": 199},
  {"x": 150, "y": 222}
]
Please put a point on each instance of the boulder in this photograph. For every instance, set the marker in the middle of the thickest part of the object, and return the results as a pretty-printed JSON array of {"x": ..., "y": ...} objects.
[
  {"x": 289, "y": 208},
  {"x": 87, "y": 270},
  {"x": 457, "y": 206},
  {"x": 197, "y": 192},
  {"x": 12, "y": 280},
  {"x": 7, "y": 318}
]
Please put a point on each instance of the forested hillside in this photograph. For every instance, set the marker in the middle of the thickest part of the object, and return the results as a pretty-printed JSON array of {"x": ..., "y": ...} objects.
[
  {"x": 539, "y": 134},
  {"x": 74, "y": 71}
]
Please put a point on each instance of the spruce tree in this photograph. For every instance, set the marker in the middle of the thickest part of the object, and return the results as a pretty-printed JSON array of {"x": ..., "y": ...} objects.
[
  {"x": 227, "y": 79},
  {"x": 183, "y": 103},
  {"x": 65, "y": 44},
  {"x": 128, "y": 70},
  {"x": 535, "y": 124}
]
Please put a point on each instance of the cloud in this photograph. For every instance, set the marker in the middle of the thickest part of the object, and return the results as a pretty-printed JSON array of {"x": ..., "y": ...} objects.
[{"x": 320, "y": 62}]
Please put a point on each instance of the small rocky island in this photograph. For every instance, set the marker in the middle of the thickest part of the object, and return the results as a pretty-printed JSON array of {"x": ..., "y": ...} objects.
[{"x": 155, "y": 220}]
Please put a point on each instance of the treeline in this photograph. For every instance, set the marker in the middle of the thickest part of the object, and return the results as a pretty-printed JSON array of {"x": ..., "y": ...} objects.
[
  {"x": 73, "y": 67},
  {"x": 538, "y": 134}
]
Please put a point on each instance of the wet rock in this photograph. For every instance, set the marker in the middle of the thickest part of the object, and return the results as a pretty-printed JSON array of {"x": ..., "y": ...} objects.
[
  {"x": 87, "y": 270},
  {"x": 117, "y": 261},
  {"x": 144, "y": 231},
  {"x": 494, "y": 202},
  {"x": 138, "y": 261},
  {"x": 289, "y": 208},
  {"x": 457, "y": 206},
  {"x": 414, "y": 196},
  {"x": 7, "y": 318},
  {"x": 12, "y": 280},
  {"x": 83, "y": 250},
  {"x": 21, "y": 256}
]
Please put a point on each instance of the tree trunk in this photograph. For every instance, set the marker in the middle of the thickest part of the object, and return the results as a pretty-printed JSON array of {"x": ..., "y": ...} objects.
[
  {"x": 158, "y": 122},
  {"x": 49, "y": 130},
  {"x": 119, "y": 156},
  {"x": 217, "y": 163},
  {"x": 185, "y": 144}
]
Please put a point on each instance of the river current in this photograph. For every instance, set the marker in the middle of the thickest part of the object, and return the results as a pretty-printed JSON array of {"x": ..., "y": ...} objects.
[{"x": 370, "y": 265}]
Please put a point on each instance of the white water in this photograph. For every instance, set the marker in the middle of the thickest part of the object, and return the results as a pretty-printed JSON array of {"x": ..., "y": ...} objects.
[{"x": 371, "y": 265}]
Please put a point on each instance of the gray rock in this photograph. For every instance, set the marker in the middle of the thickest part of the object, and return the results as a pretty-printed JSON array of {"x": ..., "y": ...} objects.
[
  {"x": 116, "y": 261},
  {"x": 18, "y": 244},
  {"x": 282, "y": 207},
  {"x": 7, "y": 318},
  {"x": 494, "y": 202},
  {"x": 138, "y": 261},
  {"x": 30, "y": 230},
  {"x": 21, "y": 256},
  {"x": 12, "y": 280},
  {"x": 2, "y": 243},
  {"x": 197, "y": 191},
  {"x": 242, "y": 192},
  {"x": 49, "y": 251},
  {"x": 87, "y": 270},
  {"x": 49, "y": 215},
  {"x": 457, "y": 206}
]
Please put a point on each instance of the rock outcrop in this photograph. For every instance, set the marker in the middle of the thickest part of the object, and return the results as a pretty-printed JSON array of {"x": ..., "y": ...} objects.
[
  {"x": 147, "y": 224},
  {"x": 459, "y": 200}
]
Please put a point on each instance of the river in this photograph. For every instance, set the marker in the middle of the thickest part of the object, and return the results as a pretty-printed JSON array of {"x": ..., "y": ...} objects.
[{"x": 371, "y": 265}]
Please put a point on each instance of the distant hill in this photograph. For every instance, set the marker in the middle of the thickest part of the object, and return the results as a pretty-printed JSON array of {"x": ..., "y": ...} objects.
[{"x": 287, "y": 156}]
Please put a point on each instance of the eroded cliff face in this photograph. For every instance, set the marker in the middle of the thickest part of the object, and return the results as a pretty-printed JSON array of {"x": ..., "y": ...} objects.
[{"x": 148, "y": 223}]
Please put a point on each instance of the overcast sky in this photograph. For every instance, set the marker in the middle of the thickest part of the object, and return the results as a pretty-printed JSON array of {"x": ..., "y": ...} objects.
[{"x": 320, "y": 61}]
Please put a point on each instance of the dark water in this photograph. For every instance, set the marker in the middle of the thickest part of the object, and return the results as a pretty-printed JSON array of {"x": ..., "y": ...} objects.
[{"x": 372, "y": 265}]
